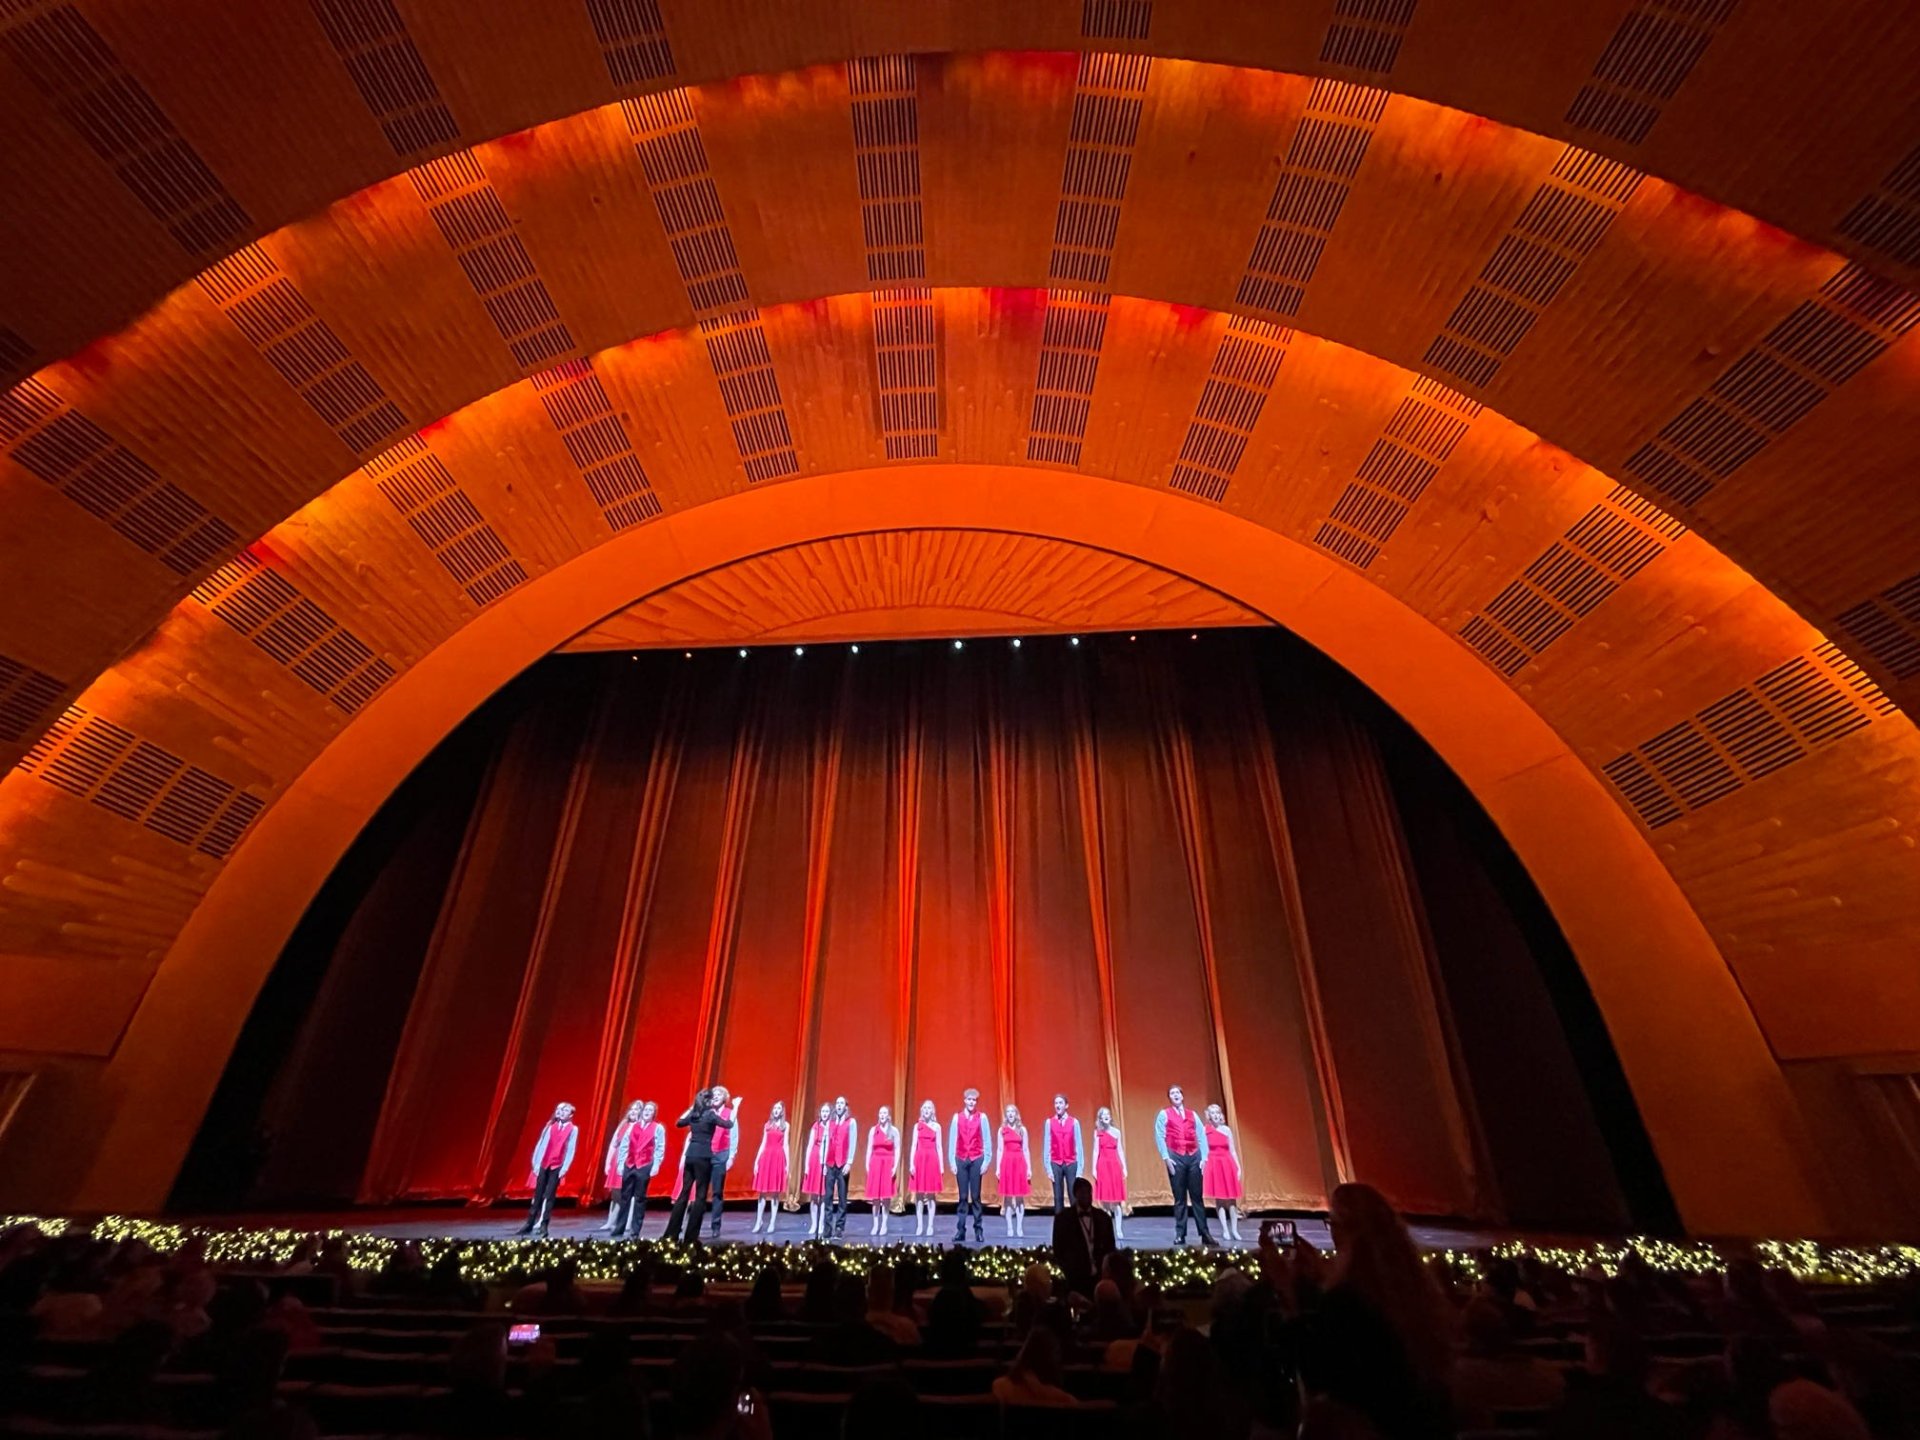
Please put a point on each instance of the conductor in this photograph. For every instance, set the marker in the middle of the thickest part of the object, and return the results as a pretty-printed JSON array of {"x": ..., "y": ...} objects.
[{"x": 702, "y": 1118}]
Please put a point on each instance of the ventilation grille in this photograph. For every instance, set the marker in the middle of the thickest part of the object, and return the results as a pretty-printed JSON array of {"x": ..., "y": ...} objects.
[
  {"x": 906, "y": 355},
  {"x": 597, "y": 443},
  {"x": 1107, "y": 104},
  {"x": 76, "y": 71},
  {"x": 1241, "y": 377},
  {"x": 1653, "y": 51},
  {"x": 1784, "y": 716},
  {"x": 372, "y": 42},
  {"x": 1417, "y": 440},
  {"x": 1116, "y": 19},
  {"x": 737, "y": 349},
  {"x": 1600, "y": 552},
  {"x": 268, "y": 608},
  {"x": 1887, "y": 628},
  {"x": 264, "y": 306},
  {"x": 1366, "y": 34},
  {"x": 674, "y": 160},
  {"x": 1323, "y": 157},
  {"x": 1773, "y": 385},
  {"x": 1108, "y": 99},
  {"x": 90, "y": 757},
  {"x": 49, "y": 438},
  {"x": 420, "y": 487},
  {"x": 26, "y": 695},
  {"x": 886, "y": 155},
  {"x": 633, "y": 41},
  {"x": 16, "y": 355},
  {"x": 1887, "y": 221},
  {"x": 1566, "y": 217},
  {"x": 476, "y": 227}
]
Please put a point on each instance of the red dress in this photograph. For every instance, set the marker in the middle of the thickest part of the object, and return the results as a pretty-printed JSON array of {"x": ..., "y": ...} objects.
[
  {"x": 1109, "y": 1185},
  {"x": 1220, "y": 1179},
  {"x": 813, "y": 1181},
  {"x": 924, "y": 1178},
  {"x": 770, "y": 1170},
  {"x": 880, "y": 1160},
  {"x": 1016, "y": 1175},
  {"x": 615, "y": 1149}
]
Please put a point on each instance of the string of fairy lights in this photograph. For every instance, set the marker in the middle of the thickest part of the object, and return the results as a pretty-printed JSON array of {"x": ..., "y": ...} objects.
[{"x": 493, "y": 1261}]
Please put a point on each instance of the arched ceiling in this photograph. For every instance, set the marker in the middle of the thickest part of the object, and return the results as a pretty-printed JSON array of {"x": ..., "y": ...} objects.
[
  {"x": 915, "y": 583},
  {"x": 1583, "y": 332}
]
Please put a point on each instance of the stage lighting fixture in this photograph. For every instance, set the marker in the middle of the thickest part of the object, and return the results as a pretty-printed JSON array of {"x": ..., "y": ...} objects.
[
  {"x": 1016, "y": 642},
  {"x": 799, "y": 649},
  {"x": 1074, "y": 641},
  {"x": 856, "y": 649},
  {"x": 959, "y": 644},
  {"x": 743, "y": 653}
]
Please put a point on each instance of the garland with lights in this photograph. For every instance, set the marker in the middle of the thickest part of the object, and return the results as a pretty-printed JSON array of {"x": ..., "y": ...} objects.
[{"x": 513, "y": 1260}]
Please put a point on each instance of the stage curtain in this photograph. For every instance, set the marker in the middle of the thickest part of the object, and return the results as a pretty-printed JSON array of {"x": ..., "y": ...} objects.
[{"x": 898, "y": 874}]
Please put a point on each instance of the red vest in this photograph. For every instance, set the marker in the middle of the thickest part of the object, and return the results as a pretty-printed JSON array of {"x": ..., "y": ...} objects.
[
  {"x": 556, "y": 1151},
  {"x": 840, "y": 1142},
  {"x": 722, "y": 1140},
  {"x": 1060, "y": 1140},
  {"x": 640, "y": 1147},
  {"x": 1180, "y": 1132},
  {"x": 967, "y": 1146}
]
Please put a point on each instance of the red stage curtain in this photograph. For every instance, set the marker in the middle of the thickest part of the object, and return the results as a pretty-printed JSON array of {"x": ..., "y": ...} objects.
[{"x": 899, "y": 874}]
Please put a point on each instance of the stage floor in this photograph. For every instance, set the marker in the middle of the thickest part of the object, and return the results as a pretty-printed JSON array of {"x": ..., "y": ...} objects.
[{"x": 1143, "y": 1232}]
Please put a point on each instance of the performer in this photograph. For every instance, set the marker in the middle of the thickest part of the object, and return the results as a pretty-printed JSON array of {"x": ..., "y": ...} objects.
[
  {"x": 1109, "y": 1170},
  {"x": 723, "y": 1148},
  {"x": 838, "y": 1160},
  {"x": 883, "y": 1146},
  {"x": 1220, "y": 1180},
  {"x": 1066, "y": 1152},
  {"x": 926, "y": 1170},
  {"x": 552, "y": 1158},
  {"x": 616, "y": 1147},
  {"x": 1014, "y": 1173},
  {"x": 702, "y": 1118},
  {"x": 770, "y": 1168},
  {"x": 970, "y": 1152},
  {"x": 1182, "y": 1143},
  {"x": 645, "y": 1147},
  {"x": 813, "y": 1177}
]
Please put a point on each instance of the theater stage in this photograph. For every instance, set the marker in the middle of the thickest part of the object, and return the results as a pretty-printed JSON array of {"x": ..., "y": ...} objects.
[{"x": 1143, "y": 1232}]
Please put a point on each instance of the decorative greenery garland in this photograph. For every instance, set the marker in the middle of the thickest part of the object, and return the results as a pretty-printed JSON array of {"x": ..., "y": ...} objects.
[{"x": 506, "y": 1260}]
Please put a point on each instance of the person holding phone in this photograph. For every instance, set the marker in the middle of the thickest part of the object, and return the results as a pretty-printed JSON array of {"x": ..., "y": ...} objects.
[
  {"x": 1182, "y": 1142},
  {"x": 706, "y": 1115},
  {"x": 552, "y": 1158}
]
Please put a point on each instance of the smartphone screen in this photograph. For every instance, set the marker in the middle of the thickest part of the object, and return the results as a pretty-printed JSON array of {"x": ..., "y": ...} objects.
[
  {"x": 1284, "y": 1229},
  {"x": 745, "y": 1404},
  {"x": 522, "y": 1334}
]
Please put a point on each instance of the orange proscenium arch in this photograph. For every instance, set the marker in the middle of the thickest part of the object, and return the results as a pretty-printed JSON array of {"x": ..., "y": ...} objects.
[{"x": 1713, "y": 1100}]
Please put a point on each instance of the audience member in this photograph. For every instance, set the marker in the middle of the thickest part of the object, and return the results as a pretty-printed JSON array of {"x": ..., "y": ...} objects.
[
  {"x": 1803, "y": 1410},
  {"x": 885, "y": 1407},
  {"x": 609, "y": 1400},
  {"x": 556, "y": 1293},
  {"x": 955, "y": 1316},
  {"x": 1035, "y": 1375},
  {"x": 1609, "y": 1399},
  {"x": 853, "y": 1339},
  {"x": 765, "y": 1303},
  {"x": 711, "y": 1400},
  {"x": 1082, "y": 1240},
  {"x": 1494, "y": 1375},
  {"x": 882, "y": 1311}
]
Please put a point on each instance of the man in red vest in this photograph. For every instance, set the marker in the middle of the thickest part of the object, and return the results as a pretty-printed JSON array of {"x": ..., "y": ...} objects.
[
  {"x": 1182, "y": 1142},
  {"x": 836, "y": 1162},
  {"x": 1066, "y": 1152},
  {"x": 552, "y": 1156},
  {"x": 645, "y": 1144},
  {"x": 970, "y": 1151}
]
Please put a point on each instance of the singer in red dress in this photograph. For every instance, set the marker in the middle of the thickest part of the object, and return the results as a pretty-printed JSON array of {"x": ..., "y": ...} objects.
[
  {"x": 883, "y": 1148},
  {"x": 770, "y": 1168},
  {"x": 1220, "y": 1178},
  {"x": 928, "y": 1169},
  {"x": 1013, "y": 1172},
  {"x": 813, "y": 1175},
  {"x": 1109, "y": 1169}
]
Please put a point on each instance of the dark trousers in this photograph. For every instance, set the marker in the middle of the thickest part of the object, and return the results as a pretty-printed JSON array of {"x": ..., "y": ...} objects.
[
  {"x": 1186, "y": 1196},
  {"x": 545, "y": 1186},
  {"x": 836, "y": 1198},
  {"x": 1063, "y": 1178},
  {"x": 967, "y": 1172},
  {"x": 721, "y": 1164},
  {"x": 696, "y": 1180},
  {"x": 633, "y": 1201}
]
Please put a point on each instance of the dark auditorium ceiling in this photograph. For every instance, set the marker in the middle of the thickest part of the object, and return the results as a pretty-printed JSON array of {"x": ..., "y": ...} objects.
[{"x": 1581, "y": 332}]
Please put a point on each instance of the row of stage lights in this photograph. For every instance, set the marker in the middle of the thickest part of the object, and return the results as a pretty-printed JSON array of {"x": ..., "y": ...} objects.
[{"x": 854, "y": 649}]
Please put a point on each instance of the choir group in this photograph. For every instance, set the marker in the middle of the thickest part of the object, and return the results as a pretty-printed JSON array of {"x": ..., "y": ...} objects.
[{"x": 1198, "y": 1149}]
